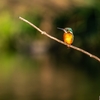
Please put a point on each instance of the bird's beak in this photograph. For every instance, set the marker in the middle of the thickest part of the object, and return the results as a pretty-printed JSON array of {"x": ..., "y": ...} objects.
[{"x": 60, "y": 28}]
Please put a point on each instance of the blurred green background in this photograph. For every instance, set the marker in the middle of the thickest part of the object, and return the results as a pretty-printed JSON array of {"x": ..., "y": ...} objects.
[{"x": 34, "y": 67}]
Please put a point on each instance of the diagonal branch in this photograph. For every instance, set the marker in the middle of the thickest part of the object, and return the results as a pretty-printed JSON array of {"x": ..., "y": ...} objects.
[{"x": 71, "y": 46}]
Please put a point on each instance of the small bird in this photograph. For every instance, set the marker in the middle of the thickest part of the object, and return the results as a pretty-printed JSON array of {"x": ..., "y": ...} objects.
[{"x": 68, "y": 36}]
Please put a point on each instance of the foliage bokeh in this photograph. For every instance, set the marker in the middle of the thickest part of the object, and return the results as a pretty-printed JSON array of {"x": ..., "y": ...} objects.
[{"x": 34, "y": 67}]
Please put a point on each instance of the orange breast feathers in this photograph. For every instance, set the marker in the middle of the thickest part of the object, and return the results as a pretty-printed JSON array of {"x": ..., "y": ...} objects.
[{"x": 68, "y": 38}]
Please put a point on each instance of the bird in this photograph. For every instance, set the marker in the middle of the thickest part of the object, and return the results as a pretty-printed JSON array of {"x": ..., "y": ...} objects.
[{"x": 68, "y": 36}]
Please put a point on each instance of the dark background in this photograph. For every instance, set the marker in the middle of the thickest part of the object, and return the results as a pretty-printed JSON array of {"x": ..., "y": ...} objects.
[{"x": 34, "y": 67}]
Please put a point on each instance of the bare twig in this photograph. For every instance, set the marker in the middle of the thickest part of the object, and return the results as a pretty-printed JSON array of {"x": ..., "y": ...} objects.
[{"x": 71, "y": 46}]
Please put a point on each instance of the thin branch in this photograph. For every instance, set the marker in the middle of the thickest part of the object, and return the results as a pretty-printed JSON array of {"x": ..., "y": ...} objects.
[{"x": 71, "y": 46}]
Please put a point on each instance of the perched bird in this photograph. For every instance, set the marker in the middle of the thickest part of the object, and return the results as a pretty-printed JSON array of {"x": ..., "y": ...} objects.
[{"x": 68, "y": 36}]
